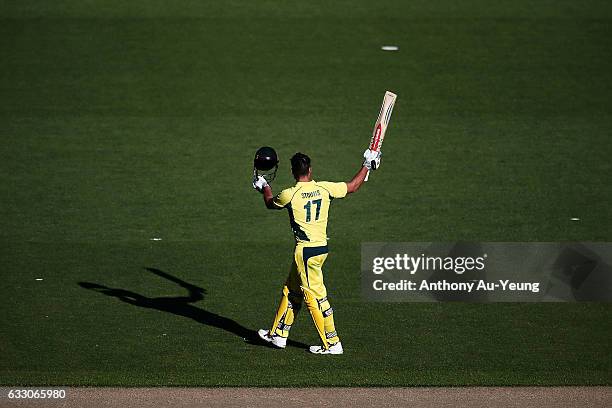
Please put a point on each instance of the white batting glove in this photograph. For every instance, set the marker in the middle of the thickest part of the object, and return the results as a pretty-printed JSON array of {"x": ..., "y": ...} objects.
[
  {"x": 371, "y": 159},
  {"x": 259, "y": 183}
]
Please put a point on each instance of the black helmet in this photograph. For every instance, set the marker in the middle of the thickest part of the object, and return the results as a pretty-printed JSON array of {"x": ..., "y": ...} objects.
[
  {"x": 266, "y": 163},
  {"x": 265, "y": 158}
]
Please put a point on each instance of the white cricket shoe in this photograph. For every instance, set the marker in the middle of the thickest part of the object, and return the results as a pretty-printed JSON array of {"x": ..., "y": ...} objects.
[
  {"x": 335, "y": 348},
  {"x": 274, "y": 339}
]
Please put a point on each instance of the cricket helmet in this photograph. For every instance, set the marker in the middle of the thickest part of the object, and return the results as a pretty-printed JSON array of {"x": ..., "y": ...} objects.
[{"x": 266, "y": 163}]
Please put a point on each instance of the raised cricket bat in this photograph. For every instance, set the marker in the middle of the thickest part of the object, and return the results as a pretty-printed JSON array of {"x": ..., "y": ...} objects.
[{"x": 381, "y": 123}]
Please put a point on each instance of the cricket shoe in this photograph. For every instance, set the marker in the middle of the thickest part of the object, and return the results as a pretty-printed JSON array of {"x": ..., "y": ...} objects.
[
  {"x": 335, "y": 348},
  {"x": 274, "y": 339}
]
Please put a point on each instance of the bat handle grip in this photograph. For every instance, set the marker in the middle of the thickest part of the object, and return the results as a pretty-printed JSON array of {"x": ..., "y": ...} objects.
[{"x": 367, "y": 176}]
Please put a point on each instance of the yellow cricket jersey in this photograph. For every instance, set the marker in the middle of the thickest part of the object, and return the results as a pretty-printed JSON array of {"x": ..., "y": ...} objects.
[{"x": 308, "y": 204}]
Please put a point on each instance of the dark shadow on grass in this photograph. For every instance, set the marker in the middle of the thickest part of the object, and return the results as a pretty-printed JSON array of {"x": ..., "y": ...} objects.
[{"x": 182, "y": 306}]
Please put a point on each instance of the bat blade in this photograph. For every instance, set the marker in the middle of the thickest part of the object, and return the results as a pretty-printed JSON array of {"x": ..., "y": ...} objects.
[{"x": 380, "y": 127}]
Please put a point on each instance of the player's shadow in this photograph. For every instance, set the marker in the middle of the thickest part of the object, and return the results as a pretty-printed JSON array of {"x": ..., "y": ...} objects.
[{"x": 182, "y": 306}]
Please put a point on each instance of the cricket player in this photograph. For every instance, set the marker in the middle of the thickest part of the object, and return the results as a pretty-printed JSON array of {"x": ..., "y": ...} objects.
[{"x": 308, "y": 205}]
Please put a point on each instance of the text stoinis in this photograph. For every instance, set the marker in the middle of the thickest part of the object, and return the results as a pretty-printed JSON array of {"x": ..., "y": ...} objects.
[{"x": 311, "y": 194}]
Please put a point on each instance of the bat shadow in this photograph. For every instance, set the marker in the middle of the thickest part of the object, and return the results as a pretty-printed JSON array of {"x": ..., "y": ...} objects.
[{"x": 183, "y": 306}]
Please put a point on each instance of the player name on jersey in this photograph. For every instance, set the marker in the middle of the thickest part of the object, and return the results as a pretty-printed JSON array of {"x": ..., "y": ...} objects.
[{"x": 311, "y": 194}]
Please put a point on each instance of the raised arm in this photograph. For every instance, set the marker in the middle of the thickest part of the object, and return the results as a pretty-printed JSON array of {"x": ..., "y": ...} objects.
[
  {"x": 260, "y": 184},
  {"x": 268, "y": 198},
  {"x": 357, "y": 181}
]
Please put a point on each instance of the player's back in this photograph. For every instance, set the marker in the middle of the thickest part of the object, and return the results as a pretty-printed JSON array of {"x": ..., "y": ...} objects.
[{"x": 308, "y": 204}]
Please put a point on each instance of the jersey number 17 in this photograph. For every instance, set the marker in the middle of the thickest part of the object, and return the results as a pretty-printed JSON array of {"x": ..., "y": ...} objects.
[{"x": 308, "y": 206}]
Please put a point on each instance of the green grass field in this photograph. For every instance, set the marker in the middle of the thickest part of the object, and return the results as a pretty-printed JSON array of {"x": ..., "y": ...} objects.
[{"x": 127, "y": 121}]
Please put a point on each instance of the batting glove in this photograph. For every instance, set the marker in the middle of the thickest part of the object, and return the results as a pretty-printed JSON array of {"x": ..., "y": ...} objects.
[
  {"x": 259, "y": 183},
  {"x": 371, "y": 159}
]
